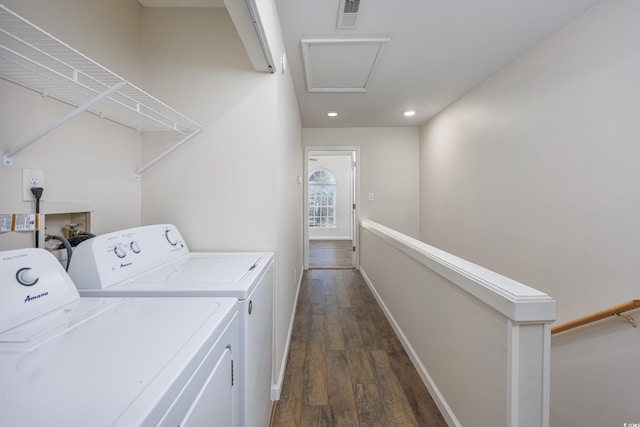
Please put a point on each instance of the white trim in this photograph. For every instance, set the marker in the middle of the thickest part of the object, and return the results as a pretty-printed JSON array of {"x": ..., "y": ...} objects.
[
  {"x": 546, "y": 375},
  {"x": 276, "y": 386},
  {"x": 434, "y": 391},
  {"x": 334, "y": 149},
  {"x": 513, "y": 373},
  {"x": 516, "y": 301}
]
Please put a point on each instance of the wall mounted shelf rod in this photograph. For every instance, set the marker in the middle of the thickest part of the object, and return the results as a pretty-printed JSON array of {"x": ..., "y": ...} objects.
[
  {"x": 167, "y": 152},
  {"x": 8, "y": 156}
]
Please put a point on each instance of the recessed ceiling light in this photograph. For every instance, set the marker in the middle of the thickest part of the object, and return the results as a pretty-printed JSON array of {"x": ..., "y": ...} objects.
[
  {"x": 409, "y": 113},
  {"x": 332, "y": 114}
]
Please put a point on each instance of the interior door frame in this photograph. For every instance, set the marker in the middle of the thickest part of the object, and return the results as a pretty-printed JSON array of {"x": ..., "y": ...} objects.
[{"x": 355, "y": 184}]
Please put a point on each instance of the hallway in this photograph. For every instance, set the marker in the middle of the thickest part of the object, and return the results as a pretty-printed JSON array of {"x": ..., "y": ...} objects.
[{"x": 346, "y": 367}]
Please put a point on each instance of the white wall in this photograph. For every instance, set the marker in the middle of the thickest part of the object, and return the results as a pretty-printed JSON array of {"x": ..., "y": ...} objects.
[
  {"x": 289, "y": 217},
  {"x": 217, "y": 188},
  {"x": 534, "y": 174},
  {"x": 289, "y": 226},
  {"x": 234, "y": 187},
  {"x": 340, "y": 167},
  {"x": 388, "y": 169},
  {"x": 88, "y": 163}
]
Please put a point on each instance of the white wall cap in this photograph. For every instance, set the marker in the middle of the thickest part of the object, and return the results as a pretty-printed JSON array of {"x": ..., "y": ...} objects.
[{"x": 516, "y": 301}]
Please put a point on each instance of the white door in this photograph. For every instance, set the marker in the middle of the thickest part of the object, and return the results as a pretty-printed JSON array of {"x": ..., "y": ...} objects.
[{"x": 312, "y": 152}]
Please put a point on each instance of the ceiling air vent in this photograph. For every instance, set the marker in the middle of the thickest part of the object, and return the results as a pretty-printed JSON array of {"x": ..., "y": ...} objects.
[{"x": 348, "y": 14}]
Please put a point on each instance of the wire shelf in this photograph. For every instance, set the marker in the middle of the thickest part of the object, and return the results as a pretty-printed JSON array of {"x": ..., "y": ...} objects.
[{"x": 34, "y": 59}]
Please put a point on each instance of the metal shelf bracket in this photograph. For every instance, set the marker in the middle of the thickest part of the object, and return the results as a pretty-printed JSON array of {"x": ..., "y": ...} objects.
[
  {"x": 167, "y": 152},
  {"x": 8, "y": 155}
]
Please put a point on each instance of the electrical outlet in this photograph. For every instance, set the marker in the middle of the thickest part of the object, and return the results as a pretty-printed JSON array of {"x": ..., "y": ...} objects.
[{"x": 31, "y": 178}]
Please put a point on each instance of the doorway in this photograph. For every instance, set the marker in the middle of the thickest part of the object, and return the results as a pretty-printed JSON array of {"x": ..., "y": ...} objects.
[{"x": 331, "y": 207}]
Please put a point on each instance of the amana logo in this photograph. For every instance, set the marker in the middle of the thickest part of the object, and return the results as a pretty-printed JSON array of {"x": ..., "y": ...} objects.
[{"x": 31, "y": 298}]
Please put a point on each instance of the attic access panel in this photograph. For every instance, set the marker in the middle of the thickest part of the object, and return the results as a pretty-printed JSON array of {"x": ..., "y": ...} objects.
[{"x": 340, "y": 65}]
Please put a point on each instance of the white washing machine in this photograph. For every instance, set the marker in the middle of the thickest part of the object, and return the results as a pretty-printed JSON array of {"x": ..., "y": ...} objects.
[
  {"x": 72, "y": 361},
  {"x": 154, "y": 261}
]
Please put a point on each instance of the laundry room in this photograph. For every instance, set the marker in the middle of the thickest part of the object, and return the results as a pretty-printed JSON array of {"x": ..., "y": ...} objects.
[
  {"x": 220, "y": 186},
  {"x": 163, "y": 149}
]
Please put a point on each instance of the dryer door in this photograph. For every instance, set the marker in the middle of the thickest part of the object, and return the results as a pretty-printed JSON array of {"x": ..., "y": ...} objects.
[
  {"x": 210, "y": 397},
  {"x": 214, "y": 403}
]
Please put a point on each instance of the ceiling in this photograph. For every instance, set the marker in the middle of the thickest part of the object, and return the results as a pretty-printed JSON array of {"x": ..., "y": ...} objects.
[
  {"x": 432, "y": 52},
  {"x": 438, "y": 51}
]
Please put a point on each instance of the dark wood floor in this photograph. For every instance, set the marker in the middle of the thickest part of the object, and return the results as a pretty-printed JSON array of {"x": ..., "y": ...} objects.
[
  {"x": 346, "y": 367},
  {"x": 330, "y": 254}
]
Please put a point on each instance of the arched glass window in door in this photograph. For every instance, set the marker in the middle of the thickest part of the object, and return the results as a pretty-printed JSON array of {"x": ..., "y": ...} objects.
[{"x": 322, "y": 199}]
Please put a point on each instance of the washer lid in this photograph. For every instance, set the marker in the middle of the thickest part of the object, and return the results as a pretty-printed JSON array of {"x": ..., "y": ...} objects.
[
  {"x": 202, "y": 268},
  {"x": 105, "y": 358},
  {"x": 232, "y": 274}
]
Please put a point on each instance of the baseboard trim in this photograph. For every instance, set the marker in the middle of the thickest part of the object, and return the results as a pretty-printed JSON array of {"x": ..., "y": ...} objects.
[
  {"x": 276, "y": 388},
  {"x": 433, "y": 389}
]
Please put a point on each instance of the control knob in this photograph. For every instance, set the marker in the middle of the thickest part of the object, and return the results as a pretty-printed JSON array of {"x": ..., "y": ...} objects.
[
  {"x": 119, "y": 251},
  {"x": 27, "y": 276},
  {"x": 135, "y": 248},
  {"x": 171, "y": 238}
]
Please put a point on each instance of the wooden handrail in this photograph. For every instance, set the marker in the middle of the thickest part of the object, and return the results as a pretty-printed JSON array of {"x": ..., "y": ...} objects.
[{"x": 613, "y": 311}]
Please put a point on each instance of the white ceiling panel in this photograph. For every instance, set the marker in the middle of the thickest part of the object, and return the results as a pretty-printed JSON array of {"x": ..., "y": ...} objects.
[{"x": 340, "y": 65}]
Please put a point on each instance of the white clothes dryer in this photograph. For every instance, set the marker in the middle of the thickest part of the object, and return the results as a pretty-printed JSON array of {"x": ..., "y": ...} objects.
[
  {"x": 72, "y": 361},
  {"x": 155, "y": 261}
]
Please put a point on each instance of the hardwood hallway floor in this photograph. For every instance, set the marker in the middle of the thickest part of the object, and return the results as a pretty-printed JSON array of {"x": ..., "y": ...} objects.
[
  {"x": 346, "y": 367},
  {"x": 330, "y": 254}
]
